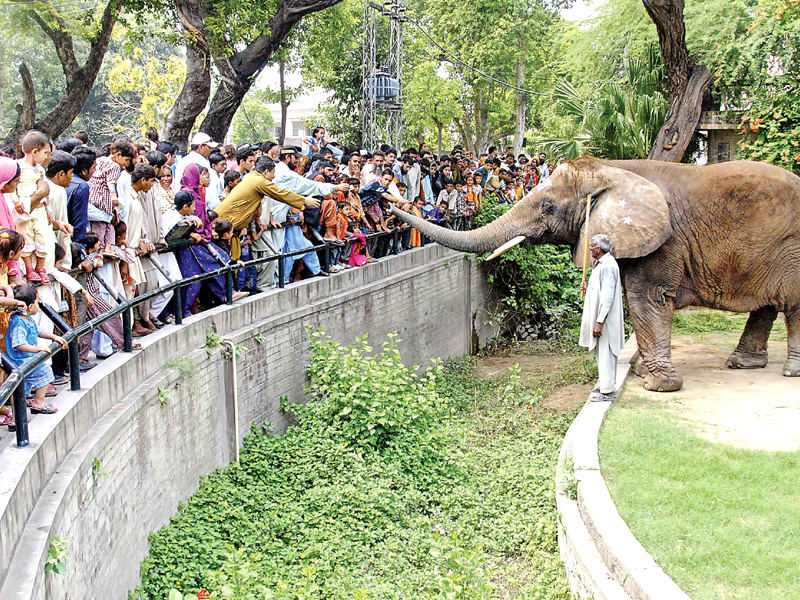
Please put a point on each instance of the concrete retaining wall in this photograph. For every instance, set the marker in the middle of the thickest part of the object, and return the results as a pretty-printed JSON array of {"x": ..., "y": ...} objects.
[
  {"x": 602, "y": 558},
  {"x": 156, "y": 432}
]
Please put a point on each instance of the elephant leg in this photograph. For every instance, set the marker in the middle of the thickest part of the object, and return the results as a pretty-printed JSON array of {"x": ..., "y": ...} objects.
[
  {"x": 792, "y": 366},
  {"x": 652, "y": 320},
  {"x": 751, "y": 353}
]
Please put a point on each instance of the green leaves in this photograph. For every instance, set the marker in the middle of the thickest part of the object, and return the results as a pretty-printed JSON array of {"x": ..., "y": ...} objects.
[
  {"x": 56, "y": 557},
  {"x": 381, "y": 490}
]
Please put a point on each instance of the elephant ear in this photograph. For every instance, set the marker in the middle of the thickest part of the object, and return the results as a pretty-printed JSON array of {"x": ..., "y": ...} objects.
[{"x": 631, "y": 211}]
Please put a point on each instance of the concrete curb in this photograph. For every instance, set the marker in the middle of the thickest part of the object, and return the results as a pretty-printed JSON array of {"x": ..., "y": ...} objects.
[{"x": 603, "y": 559}]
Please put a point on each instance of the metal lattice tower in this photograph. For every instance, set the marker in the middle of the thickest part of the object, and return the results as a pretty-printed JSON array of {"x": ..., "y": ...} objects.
[
  {"x": 369, "y": 111},
  {"x": 377, "y": 80}
]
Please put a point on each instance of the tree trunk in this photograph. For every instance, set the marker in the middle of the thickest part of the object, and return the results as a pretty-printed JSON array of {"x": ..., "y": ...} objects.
[
  {"x": 26, "y": 112},
  {"x": 239, "y": 70},
  {"x": 197, "y": 86},
  {"x": 439, "y": 127},
  {"x": 284, "y": 102},
  {"x": 521, "y": 107},
  {"x": 80, "y": 80},
  {"x": 685, "y": 81}
]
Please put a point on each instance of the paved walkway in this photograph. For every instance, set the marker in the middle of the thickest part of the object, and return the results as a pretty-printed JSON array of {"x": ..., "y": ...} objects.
[{"x": 756, "y": 409}]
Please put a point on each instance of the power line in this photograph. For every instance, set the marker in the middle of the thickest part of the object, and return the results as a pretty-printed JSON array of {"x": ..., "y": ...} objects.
[{"x": 478, "y": 71}]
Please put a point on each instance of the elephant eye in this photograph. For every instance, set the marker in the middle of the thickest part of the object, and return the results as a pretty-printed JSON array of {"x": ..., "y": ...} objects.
[{"x": 548, "y": 206}]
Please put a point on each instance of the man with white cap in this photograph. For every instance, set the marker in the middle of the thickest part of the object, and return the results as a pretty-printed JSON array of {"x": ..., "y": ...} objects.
[{"x": 200, "y": 146}]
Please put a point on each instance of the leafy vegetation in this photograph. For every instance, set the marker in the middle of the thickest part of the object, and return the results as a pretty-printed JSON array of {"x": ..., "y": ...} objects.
[
  {"x": 56, "y": 557},
  {"x": 721, "y": 521},
  {"x": 540, "y": 286},
  {"x": 620, "y": 120},
  {"x": 391, "y": 484}
]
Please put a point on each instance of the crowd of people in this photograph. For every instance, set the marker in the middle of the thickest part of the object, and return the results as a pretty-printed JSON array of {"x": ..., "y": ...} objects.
[{"x": 83, "y": 228}]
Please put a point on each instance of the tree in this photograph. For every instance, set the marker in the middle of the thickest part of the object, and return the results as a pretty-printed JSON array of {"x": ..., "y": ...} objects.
[
  {"x": 154, "y": 82},
  {"x": 253, "y": 122},
  {"x": 508, "y": 40},
  {"x": 685, "y": 81},
  {"x": 241, "y": 46},
  {"x": 620, "y": 120},
  {"x": 431, "y": 103},
  {"x": 80, "y": 79}
]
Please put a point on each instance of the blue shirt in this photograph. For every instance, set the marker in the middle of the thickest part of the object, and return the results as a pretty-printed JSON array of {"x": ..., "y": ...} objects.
[
  {"x": 20, "y": 331},
  {"x": 78, "y": 208},
  {"x": 371, "y": 193}
]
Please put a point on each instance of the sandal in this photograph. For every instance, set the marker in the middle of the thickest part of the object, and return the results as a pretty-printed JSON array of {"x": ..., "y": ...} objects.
[
  {"x": 6, "y": 420},
  {"x": 47, "y": 409},
  {"x": 61, "y": 380},
  {"x": 33, "y": 277},
  {"x": 137, "y": 346},
  {"x": 43, "y": 276}
]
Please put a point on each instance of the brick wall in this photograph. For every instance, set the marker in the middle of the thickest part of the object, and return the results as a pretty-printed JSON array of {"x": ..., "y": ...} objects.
[{"x": 155, "y": 452}]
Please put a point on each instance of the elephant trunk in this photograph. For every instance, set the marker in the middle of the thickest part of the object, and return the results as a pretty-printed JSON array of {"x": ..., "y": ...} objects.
[{"x": 484, "y": 239}]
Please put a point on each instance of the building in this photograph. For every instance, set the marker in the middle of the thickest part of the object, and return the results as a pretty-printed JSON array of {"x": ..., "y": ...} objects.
[
  {"x": 299, "y": 117},
  {"x": 722, "y": 132}
]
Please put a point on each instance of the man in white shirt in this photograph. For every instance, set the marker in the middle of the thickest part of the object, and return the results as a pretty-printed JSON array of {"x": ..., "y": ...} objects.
[
  {"x": 603, "y": 326},
  {"x": 216, "y": 177},
  {"x": 289, "y": 179},
  {"x": 201, "y": 146}
]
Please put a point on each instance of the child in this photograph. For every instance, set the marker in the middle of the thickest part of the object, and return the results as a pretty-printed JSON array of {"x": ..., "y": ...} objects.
[
  {"x": 121, "y": 243},
  {"x": 32, "y": 219},
  {"x": 103, "y": 196},
  {"x": 358, "y": 253},
  {"x": 11, "y": 244},
  {"x": 22, "y": 343},
  {"x": 9, "y": 178},
  {"x": 343, "y": 215},
  {"x": 223, "y": 231},
  {"x": 113, "y": 328},
  {"x": 439, "y": 213},
  {"x": 70, "y": 287},
  {"x": 402, "y": 188},
  {"x": 231, "y": 179}
]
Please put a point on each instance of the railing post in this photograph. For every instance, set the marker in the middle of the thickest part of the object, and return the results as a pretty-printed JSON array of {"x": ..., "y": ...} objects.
[
  {"x": 126, "y": 331},
  {"x": 281, "y": 273},
  {"x": 396, "y": 240},
  {"x": 74, "y": 365},
  {"x": 229, "y": 286},
  {"x": 21, "y": 414},
  {"x": 177, "y": 307},
  {"x": 326, "y": 259}
]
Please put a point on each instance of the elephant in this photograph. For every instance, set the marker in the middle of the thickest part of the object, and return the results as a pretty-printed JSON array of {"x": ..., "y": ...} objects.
[{"x": 723, "y": 236}]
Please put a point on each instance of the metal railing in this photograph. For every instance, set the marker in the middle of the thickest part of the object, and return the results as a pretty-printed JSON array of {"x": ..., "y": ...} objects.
[{"x": 15, "y": 381}]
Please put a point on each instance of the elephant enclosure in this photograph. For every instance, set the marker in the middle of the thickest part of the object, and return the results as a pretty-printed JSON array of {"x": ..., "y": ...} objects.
[
  {"x": 757, "y": 409},
  {"x": 706, "y": 478}
]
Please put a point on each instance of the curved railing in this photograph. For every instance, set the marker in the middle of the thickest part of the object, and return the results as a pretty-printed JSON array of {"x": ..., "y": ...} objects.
[{"x": 14, "y": 383}]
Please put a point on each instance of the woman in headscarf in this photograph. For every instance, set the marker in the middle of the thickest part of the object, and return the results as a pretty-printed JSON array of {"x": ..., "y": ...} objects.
[
  {"x": 9, "y": 177},
  {"x": 204, "y": 256}
]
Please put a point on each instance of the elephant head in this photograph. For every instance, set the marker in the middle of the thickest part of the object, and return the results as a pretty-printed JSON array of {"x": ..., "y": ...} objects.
[{"x": 628, "y": 208}]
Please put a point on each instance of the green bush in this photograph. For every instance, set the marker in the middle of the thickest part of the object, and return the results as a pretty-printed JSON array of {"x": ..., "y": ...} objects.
[
  {"x": 399, "y": 497},
  {"x": 540, "y": 286}
]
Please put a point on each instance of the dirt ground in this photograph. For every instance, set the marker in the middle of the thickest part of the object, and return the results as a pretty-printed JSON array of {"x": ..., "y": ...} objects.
[
  {"x": 536, "y": 366},
  {"x": 755, "y": 409}
]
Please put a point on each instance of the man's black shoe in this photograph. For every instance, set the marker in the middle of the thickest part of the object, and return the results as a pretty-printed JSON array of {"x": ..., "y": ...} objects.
[
  {"x": 322, "y": 274},
  {"x": 87, "y": 367}
]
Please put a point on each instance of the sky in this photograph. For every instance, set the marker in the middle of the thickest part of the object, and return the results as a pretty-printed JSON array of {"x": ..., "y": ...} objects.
[{"x": 582, "y": 9}]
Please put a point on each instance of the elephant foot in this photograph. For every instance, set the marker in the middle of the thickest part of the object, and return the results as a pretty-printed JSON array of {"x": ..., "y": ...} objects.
[
  {"x": 641, "y": 370},
  {"x": 661, "y": 382},
  {"x": 749, "y": 360},
  {"x": 791, "y": 368}
]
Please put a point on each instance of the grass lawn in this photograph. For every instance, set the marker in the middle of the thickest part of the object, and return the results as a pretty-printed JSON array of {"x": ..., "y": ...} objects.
[{"x": 723, "y": 522}]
